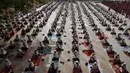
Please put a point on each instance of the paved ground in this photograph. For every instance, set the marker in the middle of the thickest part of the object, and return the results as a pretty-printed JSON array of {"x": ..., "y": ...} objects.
[{"x": 68, "y": 66}]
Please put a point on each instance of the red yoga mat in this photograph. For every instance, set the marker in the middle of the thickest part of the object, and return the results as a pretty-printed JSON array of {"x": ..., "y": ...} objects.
[
  {"x": 87, "y": 52},
  {"x": 86, "y": 44},
  {"x": 99, "y": 36}
]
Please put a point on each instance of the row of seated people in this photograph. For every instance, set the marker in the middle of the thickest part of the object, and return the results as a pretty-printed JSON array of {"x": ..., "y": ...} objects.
[
  {"x": 56, "y": 55},
  {"x": 31, "y": 66},
  {"x": 17, "y": 39},
  {"x": 104, "y": 41},
  {"x": 34, "y": 61},
  {"x": 8, "y": 67},
  {"x": 54, "y": 25},
  {"x": 4, "y": 53},
  {"x": 113, "y": 22},
  {"x": 75, "y": 43},
  {"x": 20, "y": 51},
  {"x": 94, "y": 68},
  {"x": 120, "y": 27},
  {"x": 115, "y": 59},
  {"x": 55, "y": 59},
  {"x": 113, "y": 18},
  {"x": 92, "y": 61},
  {"x": 90, "y": 52},
  {"x": 17, "y": 24},
  {"x": 101, "y": 34},
  {"x": 121, "y": 40},
  {"x": 94, "y": 64},
  {"x": 36, "y": 56},
  {"x": 75, "y": 51}
]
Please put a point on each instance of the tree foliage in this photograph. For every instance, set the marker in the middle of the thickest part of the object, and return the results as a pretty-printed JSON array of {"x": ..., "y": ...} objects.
[{"x": 18, "y": 5}]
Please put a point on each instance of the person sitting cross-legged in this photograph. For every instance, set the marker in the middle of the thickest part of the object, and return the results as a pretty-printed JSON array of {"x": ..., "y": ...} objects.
[
  {"x": 120, "y": 27},
  {"x": 110, "y": 51},
  {"x": 8, "y": 65},
  {"x": 52, "y": 69},
  {"x": 118, "y": 37},
  {"x": 92, "y": 58},
  {"x": 77, "y": 68},
  {"x": 90, "y": 49},
  {"x": 113, "y": 32},
  {"x": 116, "y": 60},
  {"x": 30, "y": 66},
  {"x": 126, "y": 32},
  {"x": 94, "y": 68},
  {"x": 11, "y": 45},
  {"x": 123, "y": 69},
  {"x": 55, "y": 56},
  {"x": 20, "y": 53},
  {"x": 108, "y": 28},
  {"x": 122, "y": 43},
  {"x": 45, "y": 41},
  {"x": 3, "y": 52}
]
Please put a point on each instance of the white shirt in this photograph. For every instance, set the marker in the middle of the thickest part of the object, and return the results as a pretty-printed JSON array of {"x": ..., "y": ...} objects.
[
  {"x": 95, "y": 66},
  {"x": 76, "y": 64},
  {"x": 3, "y": 52},
  {"x": 109, "y": 48},
  {"x": 7, "y": 62},
  {"x": 56, "y": 55},
  {"x": 129, "y": 50},
  {"x": 19, "y": 50},
  {"x": 31, "y": 64},
  {"x": 117, "y": 57},
  {"x": 76, "y": 54}
]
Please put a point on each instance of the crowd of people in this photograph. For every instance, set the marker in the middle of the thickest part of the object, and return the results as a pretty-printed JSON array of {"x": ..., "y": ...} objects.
[
  {"x": 59, "y": 43},
  {"x": 28, "y": 22},
  {"x": 111, "y": 17},
  {"x": 16, "y": 30}
]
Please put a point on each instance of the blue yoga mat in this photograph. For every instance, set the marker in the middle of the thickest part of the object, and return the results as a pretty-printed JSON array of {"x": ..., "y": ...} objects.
[
  {"x": 124, "y": 47},
  {"x": 53, "y": 36},
  {"x": 45, "y": 51}
]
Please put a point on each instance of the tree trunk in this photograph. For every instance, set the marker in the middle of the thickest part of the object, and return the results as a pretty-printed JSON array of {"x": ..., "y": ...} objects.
[{"x": 6, "y": 11}]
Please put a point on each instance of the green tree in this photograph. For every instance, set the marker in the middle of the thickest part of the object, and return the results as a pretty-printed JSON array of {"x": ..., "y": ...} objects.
[
  {"x": 5, "y": 5},
  {"x": 18, "y": 5}
]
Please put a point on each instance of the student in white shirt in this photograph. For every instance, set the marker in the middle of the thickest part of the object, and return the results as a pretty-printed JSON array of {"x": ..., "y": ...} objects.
[{"x": 3, "y": 52}]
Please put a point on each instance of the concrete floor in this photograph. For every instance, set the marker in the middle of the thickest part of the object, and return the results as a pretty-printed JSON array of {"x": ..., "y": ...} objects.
[{"x": 68, "y": 66}]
